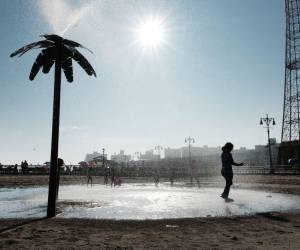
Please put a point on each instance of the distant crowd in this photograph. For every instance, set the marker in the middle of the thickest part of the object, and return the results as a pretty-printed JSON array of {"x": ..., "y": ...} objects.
[{"x": 14, "y": 168}]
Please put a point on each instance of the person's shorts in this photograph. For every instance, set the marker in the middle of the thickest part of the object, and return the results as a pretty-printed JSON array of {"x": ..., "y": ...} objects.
[{"x": 227, "y": 174}]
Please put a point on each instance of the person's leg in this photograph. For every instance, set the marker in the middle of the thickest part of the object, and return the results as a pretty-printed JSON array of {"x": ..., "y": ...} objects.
[
  {"x": 58, "y": 177},
  {"x": 198, "y": 181},
  {"x": 223, "y": 194},
  {"x": 228, "y": 184}
]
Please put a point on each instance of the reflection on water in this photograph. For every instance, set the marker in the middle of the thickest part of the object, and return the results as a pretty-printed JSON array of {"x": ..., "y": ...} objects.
[{"x": 141, "y": 202}]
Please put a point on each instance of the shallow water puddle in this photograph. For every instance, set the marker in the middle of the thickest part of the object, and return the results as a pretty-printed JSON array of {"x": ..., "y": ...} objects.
[{"x": 134, "y": 201}]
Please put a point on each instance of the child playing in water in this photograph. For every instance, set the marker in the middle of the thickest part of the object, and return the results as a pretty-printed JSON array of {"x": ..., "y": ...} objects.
[{"x": 227, "y": 173}]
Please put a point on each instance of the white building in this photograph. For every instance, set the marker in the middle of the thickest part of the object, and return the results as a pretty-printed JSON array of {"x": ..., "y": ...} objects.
[
  {"x": 149, "y": 156},
  {"x": 90, "y": 157},
  {"x": 120, "y": 157},
  {"x": 172, "y": 153},
  {"x": 183, "y": 152}
]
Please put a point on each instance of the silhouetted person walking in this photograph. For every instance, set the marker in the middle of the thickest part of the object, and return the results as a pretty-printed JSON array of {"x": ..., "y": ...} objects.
[
  {"x": 60, "y": 163},
  {"x": 172, "y": 177},
  {"x": 227, "y": 173},
  {"x": 112, "y": 177},
  {"x": 16, "y": 169},
  {"x": 25, "y": 167},
  {"x": 106, "y": 173},
  {"x": 156, "y": 179},
  {"x": 194, "y": 173},
  {"x": 89, "y": 176}
]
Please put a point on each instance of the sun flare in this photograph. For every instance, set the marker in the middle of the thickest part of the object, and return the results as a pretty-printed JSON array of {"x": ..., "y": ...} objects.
[{"x": 151, "y": 33}]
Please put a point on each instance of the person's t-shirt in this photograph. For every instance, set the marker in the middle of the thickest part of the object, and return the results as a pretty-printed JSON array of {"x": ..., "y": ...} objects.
[{"x": 227, "y": 161}]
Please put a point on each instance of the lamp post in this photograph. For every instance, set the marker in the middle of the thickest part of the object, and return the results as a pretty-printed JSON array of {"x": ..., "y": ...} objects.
[
  {"x": 268, "y": 121},
  {"x": 190, "y": 140},
  {"x": 103, "y": 160},
  {"x": 158, "y": 148}
]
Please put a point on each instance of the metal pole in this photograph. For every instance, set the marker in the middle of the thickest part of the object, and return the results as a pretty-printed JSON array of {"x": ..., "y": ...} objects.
[
  {"x": 190, "y": 153},
  {"x": 54, "y": 144},
  {"x": 190, "y": 163},
  {"x": 103, "y": 161},
  {"x": 268, "y": 120},
  {"x": 270, "y": 154},
  {"x": 190, "y": 140}
]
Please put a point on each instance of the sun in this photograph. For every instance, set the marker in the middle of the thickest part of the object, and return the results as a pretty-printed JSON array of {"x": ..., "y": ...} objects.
[{"x": 150, "y": 33}]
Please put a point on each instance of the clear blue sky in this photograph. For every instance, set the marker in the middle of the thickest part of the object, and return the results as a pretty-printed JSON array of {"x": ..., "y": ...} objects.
[{"x": 221, "y": 69}]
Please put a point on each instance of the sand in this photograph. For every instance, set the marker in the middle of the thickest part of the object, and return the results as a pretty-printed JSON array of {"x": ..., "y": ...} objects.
[
  {"x": 266, "y": 231},
  {"x": 263, "y": 231}
]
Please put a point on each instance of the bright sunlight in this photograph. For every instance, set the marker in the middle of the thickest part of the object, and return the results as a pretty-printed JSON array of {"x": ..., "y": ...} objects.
[{"x": 151, "y": 33}]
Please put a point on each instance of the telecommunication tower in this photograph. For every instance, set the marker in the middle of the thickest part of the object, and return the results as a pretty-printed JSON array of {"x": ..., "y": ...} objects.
[{"x": 291, "y": 107}]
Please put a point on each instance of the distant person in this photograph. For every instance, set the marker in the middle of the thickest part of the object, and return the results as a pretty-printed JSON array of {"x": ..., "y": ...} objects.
[
  {"x": 106, "y": 173},
  {"x": 172, "y": 177},
  {"x": 60, "y": 163},
  {"x": 106, "y": 179},
  {"x": 16, "y": 169},
  {"x": 22, "y": 167},
  {"x": 227, "y": 173},
  {"x": 89, "y": 176},
  {"x": 117, "y": 181},
  {"x": 292, "y": 162},
  {"x": 112, "y": 177},
  {"x": 26, "y": 167},
  {"x": 156, "y": 179},
  {"x": 194, "y": 173},
  {"x": 68, "y": 171}
]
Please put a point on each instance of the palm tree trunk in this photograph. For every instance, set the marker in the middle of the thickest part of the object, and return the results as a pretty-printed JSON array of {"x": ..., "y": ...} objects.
[{"x": 53, "y": 179}]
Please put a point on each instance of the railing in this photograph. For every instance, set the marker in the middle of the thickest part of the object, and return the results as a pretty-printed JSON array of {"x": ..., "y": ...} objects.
[
  {"x": 28, "y": 171},
  {"x": 149, "y": 171},
  {"x": 253, "y": 170},
  {"x": 256, "y": 170}
]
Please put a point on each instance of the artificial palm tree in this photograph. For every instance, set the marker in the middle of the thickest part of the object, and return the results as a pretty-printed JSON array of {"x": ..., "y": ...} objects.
[{"x": 61, "y": 52}]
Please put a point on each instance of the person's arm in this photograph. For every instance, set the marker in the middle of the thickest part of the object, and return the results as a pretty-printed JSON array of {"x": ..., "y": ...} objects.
[
  {"x": 237, "y": 164},
  {"x": 234, "y": 163}
]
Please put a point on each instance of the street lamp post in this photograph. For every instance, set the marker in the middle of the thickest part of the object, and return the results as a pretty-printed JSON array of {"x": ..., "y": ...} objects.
[
  {"x": 268, "y": 121},
  {"x": 190, "y": 140},
  {"x": 103, "y": 160}
]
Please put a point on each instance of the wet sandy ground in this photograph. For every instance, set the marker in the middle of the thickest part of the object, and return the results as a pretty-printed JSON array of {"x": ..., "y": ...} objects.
[
  {"x": 266, "y": 231},
  {"x": 263, "y": 231}
]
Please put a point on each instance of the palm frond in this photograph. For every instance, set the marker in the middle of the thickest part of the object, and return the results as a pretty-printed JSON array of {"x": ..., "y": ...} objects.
[
  {"x": 45, "y": 59},
  {"x": 68, "y": 69},
  {"x": 56, "y": 48},
  {"x": 75, "y": 44},
  {"x": 39, "y": 44},
  {"x": 81, "y": 60},
  {"x": 47, "y": 66},
  {"x": 39, "y": 61},
  {"x": 53, "y": 38},
  {"x": 49, "y": 59}
]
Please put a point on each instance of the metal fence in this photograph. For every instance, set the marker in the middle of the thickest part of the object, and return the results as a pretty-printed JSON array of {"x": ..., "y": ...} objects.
[
  {"x": 149, "y": 171},
  {"x": 262, "y": 170}
]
